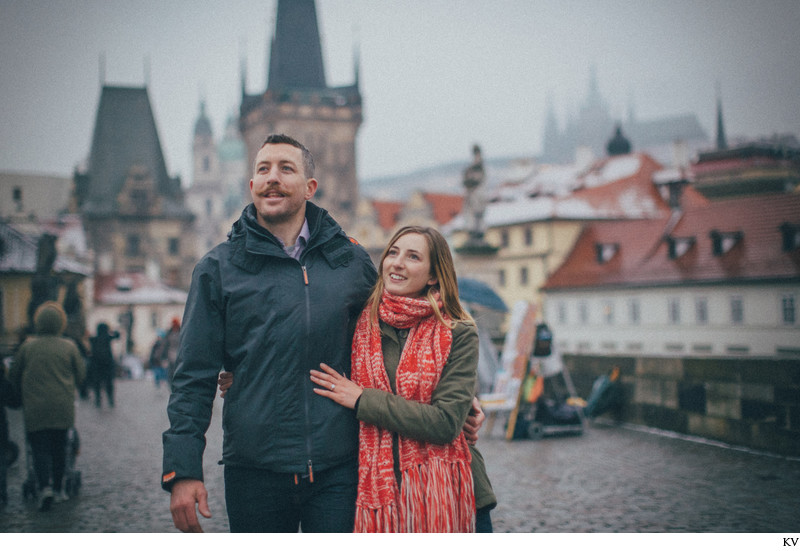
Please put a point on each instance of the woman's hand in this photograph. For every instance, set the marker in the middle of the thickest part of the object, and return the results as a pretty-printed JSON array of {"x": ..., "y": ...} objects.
[
  {"x": 335, "y": 386},
  {"x": 225, "y": 381}
]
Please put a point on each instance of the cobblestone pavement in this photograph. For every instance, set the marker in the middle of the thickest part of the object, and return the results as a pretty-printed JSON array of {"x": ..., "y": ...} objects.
[{"x": 610, "y": 479}]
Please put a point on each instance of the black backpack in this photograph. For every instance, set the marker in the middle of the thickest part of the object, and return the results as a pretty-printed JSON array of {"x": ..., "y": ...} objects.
[{"x": 544, "y": 341}]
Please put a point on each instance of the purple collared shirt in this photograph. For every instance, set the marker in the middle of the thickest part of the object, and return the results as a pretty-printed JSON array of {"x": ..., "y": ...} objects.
[{"x": 300, "y": 245}]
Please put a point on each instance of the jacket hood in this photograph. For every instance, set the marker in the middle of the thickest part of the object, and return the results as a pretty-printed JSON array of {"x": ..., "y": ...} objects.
[{"x": 50, "y": 319}]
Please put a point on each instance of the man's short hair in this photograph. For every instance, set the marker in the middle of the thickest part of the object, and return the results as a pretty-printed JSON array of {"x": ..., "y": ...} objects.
[{"x": 308, "y": 160}]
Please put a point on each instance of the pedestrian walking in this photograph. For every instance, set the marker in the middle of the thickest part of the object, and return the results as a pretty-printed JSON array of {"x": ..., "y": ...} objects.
[
  {"x": 172, "y": 341},
  {"x": 158, "y": 359},
  {"x": 102, "y": 370},
  {"x": 46, "y": 371}
]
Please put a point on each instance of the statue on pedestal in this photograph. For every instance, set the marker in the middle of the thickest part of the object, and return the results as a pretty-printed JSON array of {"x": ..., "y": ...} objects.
[{"x": 475, "y": 206}]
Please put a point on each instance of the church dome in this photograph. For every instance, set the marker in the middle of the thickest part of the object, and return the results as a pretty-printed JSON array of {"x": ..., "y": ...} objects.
[{"x": 619, "y": 144}]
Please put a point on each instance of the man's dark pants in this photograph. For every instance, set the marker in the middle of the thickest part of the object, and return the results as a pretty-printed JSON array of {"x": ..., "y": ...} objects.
[{"x": 266, "y": 501}]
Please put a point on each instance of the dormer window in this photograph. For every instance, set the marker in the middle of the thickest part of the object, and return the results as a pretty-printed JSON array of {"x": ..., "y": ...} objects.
[
  {"x": 605, "y": 251},
  {"x": 791, "y": 236},
  {"x": 722, "y": 242},
  {"x": 679, "y": 246}
]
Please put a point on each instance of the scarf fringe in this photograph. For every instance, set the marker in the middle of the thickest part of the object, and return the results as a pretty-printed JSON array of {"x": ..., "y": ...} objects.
[
  {"x": 437, "y": 497},
  {"x": 381, "y": 520}
]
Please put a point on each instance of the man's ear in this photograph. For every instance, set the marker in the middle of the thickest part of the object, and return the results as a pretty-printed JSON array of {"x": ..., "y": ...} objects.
[{"x": 311, "y": 188}]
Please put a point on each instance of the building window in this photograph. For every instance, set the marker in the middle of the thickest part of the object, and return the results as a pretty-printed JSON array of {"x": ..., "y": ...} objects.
[
  {"x": 737, "y": 310},
  {"x": 504, "y": 238},
  {"x": 608, "y": 312},
  {"x": 523, "y": 275},
  {"x": 788, "y": 310},
  {"x": 17, "y": 194},
  {"x": 173, "y": 246},
  {"x": 791, "y": 236},
  {"x": 132, "y": 245},
  {"x": 634, "y": 311},
  {"x": 583, "y": 312},
  {"x": 139, "y": 200},
  {"x": 722, "y": 242},
  {"x": 528, "y": 236},
  {"x": 604, "y": 252},
  {"x": 674, "y": 310},
  {"x": 562, "y": 312},
  {"x": 501, "y": 278},
  {"x": 679, "y": 246},
  {"x": 206, "y": 163},
  {"x": 701, "y": 310}
]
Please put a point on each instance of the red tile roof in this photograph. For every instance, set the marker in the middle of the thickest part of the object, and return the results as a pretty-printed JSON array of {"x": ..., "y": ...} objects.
[
  {"x": 643, "y": 256},
  {"x": 388, "y": 213},
  {"x": 445, "y": 206}
]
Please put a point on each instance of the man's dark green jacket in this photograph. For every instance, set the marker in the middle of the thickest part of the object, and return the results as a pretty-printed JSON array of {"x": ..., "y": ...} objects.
[{"x": 270, "y": 319}]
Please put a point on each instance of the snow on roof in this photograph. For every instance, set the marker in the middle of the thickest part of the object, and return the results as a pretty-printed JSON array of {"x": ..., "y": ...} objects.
[
  {"x": 538, "y": 208},
  {"x": 134, "y": 288},
  {"x": 613, "y": 169}
]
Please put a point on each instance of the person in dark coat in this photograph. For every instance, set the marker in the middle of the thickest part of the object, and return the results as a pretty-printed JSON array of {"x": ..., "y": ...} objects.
[
  {"x": 275, "y": 300},
  {"x": 102, "y": 363},
  {"x": 8, "y": 449}
]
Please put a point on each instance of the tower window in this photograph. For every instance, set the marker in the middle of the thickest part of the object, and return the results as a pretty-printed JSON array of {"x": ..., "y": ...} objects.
[{"x": 133, "y": 245}]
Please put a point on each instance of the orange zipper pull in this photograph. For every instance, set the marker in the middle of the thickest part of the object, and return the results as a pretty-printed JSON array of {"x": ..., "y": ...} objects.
[
  {"x": 310, "y": 472},
  {"x": 305, "y": 275}
]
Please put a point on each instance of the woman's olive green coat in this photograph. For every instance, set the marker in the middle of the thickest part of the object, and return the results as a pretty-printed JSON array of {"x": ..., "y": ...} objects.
[{"x": 46, "y": 370}]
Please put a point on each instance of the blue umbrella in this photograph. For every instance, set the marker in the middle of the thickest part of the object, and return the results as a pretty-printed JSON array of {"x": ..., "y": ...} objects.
[{"x": 477, "y": 292}]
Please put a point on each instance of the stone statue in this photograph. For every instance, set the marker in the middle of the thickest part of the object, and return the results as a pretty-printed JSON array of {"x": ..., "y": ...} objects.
[
  {"x": 44, "y": 284},
  {"x": 475, "y": 201}
]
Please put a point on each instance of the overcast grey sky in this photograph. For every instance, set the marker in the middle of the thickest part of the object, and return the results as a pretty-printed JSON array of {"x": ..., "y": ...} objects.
[{"x": 436, "y": 75}]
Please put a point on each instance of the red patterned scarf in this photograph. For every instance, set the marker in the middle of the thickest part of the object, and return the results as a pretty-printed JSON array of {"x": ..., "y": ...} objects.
[{"x": 436, "y": 494}]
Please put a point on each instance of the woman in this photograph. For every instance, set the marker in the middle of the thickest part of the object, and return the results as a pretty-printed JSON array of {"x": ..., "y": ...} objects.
[
  {"x": 414, "y": 370},
  {"x": 414, "y": 367},
  {"x": 46, "y": 372}
]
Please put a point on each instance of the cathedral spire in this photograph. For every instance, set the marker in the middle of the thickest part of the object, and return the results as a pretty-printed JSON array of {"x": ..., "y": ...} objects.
[
  {"x": 722, "y": 142},
  {"x": 296, "y": 52}
]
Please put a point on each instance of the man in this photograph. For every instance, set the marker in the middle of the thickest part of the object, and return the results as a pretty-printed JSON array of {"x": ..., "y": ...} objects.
[{"x": 270, "y": 304}]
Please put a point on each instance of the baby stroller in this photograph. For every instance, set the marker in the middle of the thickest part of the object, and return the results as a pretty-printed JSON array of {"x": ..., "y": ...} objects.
[{"x": 72, "y": 476}]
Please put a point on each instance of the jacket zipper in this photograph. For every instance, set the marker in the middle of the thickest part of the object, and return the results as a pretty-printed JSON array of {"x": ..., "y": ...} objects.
[{"x": 307, "y": 380}]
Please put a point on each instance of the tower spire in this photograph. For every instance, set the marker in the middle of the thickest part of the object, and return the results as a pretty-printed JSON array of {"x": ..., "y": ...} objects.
[
  {"x": 296, "y": 52},
  {"x": 722, "y": 142}
]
